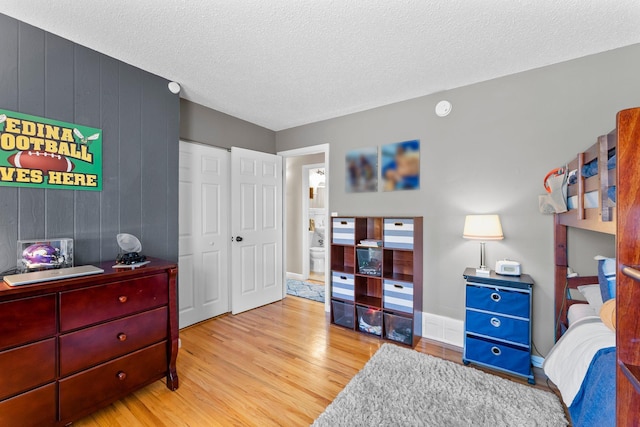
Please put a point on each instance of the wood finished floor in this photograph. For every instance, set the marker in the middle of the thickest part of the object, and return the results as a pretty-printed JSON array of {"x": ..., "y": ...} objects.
[{"x": 278, "y": 365}]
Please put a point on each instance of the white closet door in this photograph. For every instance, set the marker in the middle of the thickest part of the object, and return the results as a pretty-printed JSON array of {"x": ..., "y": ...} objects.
[{"x": 203, "y": 275}]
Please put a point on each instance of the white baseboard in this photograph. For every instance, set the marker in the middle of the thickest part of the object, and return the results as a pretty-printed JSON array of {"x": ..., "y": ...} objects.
[
  {"x": 451, "y": 331},
  {"x": 294, "y": 276},
  {"x": 443, "y": 329}
]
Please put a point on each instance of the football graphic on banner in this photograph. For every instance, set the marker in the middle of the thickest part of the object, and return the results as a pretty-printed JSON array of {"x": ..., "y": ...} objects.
[{"x": 41, "y": 160}]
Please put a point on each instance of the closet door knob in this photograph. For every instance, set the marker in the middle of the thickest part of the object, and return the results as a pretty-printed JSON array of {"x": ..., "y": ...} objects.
[{"x": 239, "y": 239}]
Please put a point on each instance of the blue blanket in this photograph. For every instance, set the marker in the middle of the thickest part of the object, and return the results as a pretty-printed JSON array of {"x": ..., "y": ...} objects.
[{"x": 595, "y": 403}]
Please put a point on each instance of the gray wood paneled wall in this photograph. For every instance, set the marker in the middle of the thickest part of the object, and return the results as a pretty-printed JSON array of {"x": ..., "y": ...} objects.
[{"x": 44, "y": 75}]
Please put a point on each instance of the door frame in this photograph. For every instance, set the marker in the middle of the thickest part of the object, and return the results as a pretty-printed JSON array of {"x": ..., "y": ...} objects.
[{"x": 313, "y": 149}]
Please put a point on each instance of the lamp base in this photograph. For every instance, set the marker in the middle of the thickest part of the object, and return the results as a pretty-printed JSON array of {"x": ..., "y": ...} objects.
[{"x": 480, "y": 271}]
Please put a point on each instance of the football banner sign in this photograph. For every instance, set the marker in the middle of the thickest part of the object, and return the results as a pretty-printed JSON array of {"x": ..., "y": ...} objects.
[{"x": 42, "y": 153}]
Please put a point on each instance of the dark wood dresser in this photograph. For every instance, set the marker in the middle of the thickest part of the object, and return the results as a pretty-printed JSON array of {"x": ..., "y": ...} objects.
[{"x": 69, "y": 347}]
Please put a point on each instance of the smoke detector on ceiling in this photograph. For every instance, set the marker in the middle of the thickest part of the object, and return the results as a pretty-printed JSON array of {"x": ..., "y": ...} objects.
[
  {"x": 174, "y": 87},
  {"x": 443, "y": 108}
]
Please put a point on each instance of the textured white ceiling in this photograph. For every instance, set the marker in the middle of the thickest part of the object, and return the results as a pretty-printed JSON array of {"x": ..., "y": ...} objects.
[{"x": 284, "y": 63}]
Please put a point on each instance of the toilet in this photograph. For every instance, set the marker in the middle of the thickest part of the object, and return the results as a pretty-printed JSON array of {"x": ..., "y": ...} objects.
[{"x": 316, "y": 250}]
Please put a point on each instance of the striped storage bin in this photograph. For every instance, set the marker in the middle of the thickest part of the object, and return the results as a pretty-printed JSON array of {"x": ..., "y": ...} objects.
[
  {"x": 398, "y": 296},
  {"x": 342, "y": 285},
  {"x": 398, "y": 233},
  {"x": 344, "y": 231}
]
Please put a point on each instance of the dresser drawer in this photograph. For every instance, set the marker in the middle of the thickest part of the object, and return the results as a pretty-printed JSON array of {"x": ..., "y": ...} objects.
[
  {"x": 498, "y": 300},
  {"x": 342, "y": 286},
  {"x": 88, "y": 306},
  {"x": 91, "y": 346},
  {"x": 88, "y": 390},
  {"x": 36, "y": 408},
  {"x": 398, "y": 296},
  {"x": 27, "y": 320},
  {"x": 496, "y": 326},
  {"x": 497, "y": 355},
  {"x": 343, "y": 231},
  {"x": 27, "y": 367},
  {"x": 398, "y": 233}
]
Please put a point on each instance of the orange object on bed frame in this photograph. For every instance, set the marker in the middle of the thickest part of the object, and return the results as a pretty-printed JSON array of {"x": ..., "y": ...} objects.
[{"x": 621, "y": 219}]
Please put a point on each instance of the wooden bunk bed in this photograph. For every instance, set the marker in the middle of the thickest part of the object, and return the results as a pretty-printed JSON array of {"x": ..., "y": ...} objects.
[{"x": 622, "y": 219}]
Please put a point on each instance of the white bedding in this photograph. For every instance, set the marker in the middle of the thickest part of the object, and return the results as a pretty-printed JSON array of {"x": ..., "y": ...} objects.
[{"x": 569, "y": 359}]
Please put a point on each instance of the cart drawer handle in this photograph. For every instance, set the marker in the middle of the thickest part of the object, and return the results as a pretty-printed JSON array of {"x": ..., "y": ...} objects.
[
  {"x": 496, "y": 297},
  {"x": 496, "y": 351},
  {"x": 495, "y": 322}
]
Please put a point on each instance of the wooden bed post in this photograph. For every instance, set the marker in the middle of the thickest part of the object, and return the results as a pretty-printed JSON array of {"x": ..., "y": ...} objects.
[
  {"x": 628, "y": 255},
  {"x": 560, "y": 254}
]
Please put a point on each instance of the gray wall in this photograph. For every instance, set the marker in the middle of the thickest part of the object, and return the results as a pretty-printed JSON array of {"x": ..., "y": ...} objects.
[
  {"x": 45, "y": 75},
  {"x": 211, "y": 127},
  {"x": 489, "y": 155}
]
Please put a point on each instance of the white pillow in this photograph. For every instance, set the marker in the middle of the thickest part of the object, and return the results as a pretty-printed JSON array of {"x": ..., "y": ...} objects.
[
  {"x": 579, "y": 311},
  {"x": 592, "y": 295}
]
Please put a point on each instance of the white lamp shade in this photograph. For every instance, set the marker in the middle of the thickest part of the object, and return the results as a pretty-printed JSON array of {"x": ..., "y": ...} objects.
[{"x": 482, "y": 227}]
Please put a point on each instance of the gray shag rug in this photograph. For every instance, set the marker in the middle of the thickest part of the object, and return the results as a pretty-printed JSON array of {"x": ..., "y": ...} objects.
[{"x": 402, "y": 387}]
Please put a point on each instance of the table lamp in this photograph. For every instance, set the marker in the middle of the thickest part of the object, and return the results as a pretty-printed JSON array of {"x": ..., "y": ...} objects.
[{"x": 483, "y": 228}]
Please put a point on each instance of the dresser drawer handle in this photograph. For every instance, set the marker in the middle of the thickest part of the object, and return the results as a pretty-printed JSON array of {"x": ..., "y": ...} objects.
[
  {"x": 121, "y": 376},
  {"x": 496, "y": 297},
  {"x": 496, "y": 351},
  {"x": 122, "y": 336},
  {"x": 398, "y": 286},
  {"x": 495, "y": 322},
  {"x": 123, "y": 298}
]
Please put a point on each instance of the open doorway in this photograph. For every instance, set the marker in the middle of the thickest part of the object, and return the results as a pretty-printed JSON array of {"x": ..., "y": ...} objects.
[
  {"x": 306, "y": 214},
  {"x": 314, "y": 214}
]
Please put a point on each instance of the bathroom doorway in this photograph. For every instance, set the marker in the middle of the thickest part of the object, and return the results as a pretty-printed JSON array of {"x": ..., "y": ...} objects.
[
  {"x": 314, "y": 215},
  {"x": 297, "y": 201}
]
